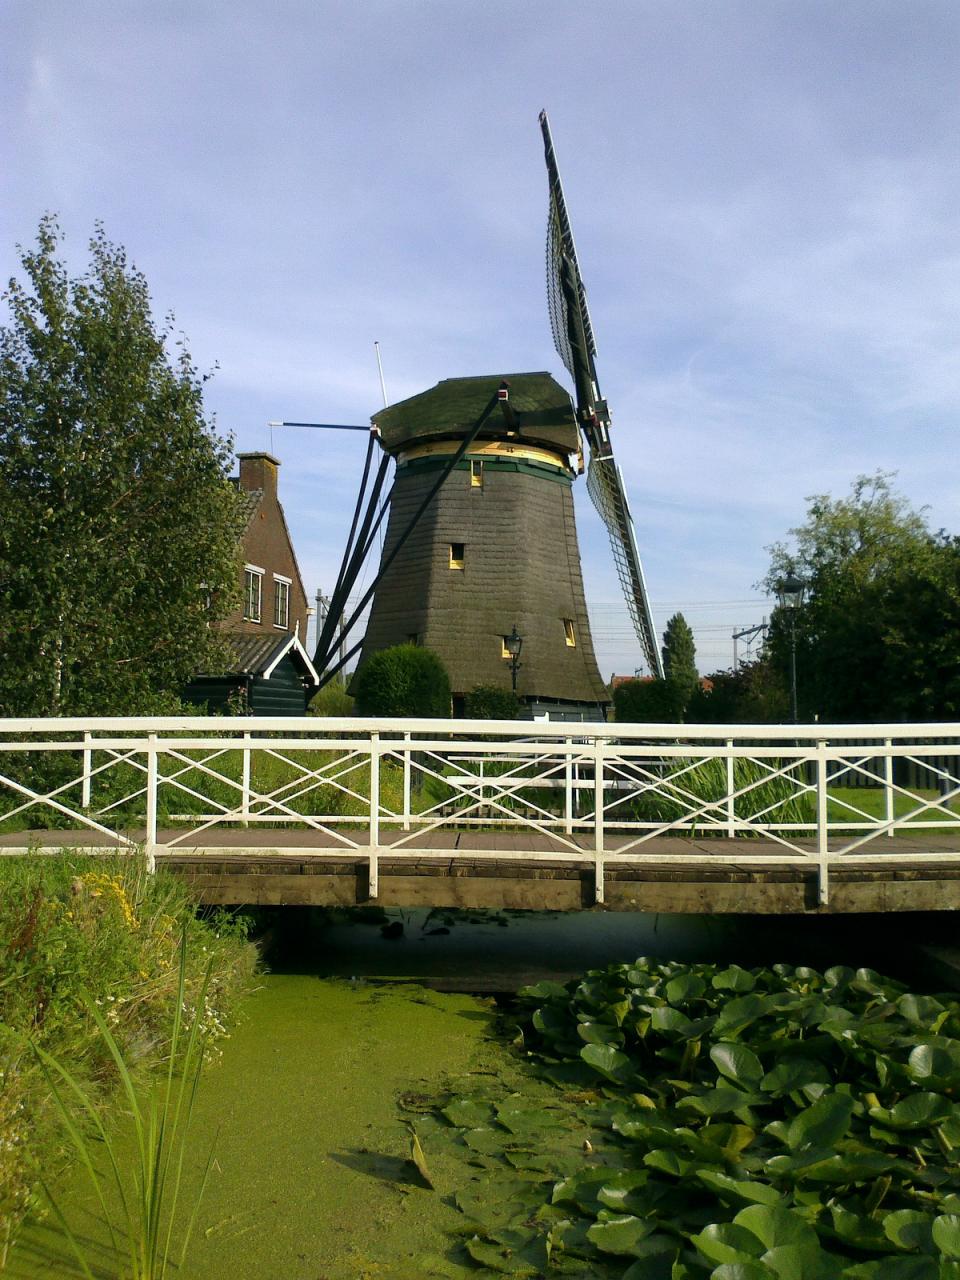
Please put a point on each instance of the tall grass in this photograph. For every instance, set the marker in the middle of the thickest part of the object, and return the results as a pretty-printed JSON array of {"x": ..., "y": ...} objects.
[{"x": 138, "y": 1199}]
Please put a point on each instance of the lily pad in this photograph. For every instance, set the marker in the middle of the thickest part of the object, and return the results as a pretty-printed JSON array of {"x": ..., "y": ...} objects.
[
  {"x": 910, "y": 1229},
  {"x": 608, "y": 1061},
  {"x": 619, "y": 1235},
  {"x": 727, "y": 1242},
  {"x": 737, "y": 1063},
  {"x": 946, "y": 1234},
  {"x": 821, "y": 1125}
]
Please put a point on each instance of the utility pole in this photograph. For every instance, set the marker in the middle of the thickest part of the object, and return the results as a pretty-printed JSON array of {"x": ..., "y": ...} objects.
[{"x": 759, "y": 628}]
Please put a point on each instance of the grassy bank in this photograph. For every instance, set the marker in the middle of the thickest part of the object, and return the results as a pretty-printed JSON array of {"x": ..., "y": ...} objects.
[{"x": 77, "y": 935}]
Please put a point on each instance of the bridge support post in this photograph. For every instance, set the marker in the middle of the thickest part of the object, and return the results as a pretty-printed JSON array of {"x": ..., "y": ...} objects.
[
  {"x": 568, "y": 789},
  {"x": 823, "y": 844},
  {"x": 87, "y": 761},
  {"x": 598, "y": 819},
  {"x": 374, "y": 876},
  {"x": 731, "y": 787},
  {"x": 150, "y": 839},
  {"x": 889, "y": 812},
  {"x": 406, "y": 779},
  {"x": 245, "y": 780}
]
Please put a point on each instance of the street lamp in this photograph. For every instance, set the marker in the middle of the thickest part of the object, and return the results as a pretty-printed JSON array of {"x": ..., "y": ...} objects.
[
  {"x": 513, "y": 643},
  {"x": 790, "y": 595}
]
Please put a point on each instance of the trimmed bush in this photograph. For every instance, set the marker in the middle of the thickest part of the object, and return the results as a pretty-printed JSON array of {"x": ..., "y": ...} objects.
[
  {"x": 486, "y": 702},
  {"x": 648, "y": 702},
  {"x": 406, "y": 680}
]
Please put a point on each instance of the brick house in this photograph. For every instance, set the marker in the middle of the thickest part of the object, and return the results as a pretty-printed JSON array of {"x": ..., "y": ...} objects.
[{"x": 273, "y": 674}]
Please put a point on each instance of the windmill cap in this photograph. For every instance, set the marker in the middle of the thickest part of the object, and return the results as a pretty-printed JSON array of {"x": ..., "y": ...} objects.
[{"x": 541, "y": 412}]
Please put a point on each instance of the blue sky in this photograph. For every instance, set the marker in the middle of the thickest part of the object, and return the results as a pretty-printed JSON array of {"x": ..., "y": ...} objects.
[{"x": 766, "y": 200}]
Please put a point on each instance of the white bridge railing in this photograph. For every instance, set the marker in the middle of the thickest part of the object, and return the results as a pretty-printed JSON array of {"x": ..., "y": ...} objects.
[{"x": 447, "y": 789}]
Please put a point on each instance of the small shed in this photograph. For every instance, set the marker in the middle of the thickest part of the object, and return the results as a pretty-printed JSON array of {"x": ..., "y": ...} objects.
[{"x": 271, "y": 676}]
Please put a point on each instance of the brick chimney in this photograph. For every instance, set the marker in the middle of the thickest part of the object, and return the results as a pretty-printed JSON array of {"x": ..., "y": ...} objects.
[{"x": 259, "y": 471}]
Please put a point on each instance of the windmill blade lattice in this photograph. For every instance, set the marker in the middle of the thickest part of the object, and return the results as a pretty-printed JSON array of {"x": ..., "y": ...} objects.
[{"x": 575, "y": 344}]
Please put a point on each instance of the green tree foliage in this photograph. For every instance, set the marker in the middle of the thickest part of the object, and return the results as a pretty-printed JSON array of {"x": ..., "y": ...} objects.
[
  {"x": 647, "y": 702},
  {"x": 406, "y": 680},
  {"x": 680, "y": 659},
  {"x": 878, "y": 637},
  {"x": 118, "y": 526},
  {"x": 755, "y": 693},
  {"x": 487, "y": 702}
]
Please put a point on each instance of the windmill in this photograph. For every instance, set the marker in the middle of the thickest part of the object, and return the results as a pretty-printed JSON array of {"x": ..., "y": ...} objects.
[
  {"x": 481, "y": 535},
  {"x": 573, "y": 338}
]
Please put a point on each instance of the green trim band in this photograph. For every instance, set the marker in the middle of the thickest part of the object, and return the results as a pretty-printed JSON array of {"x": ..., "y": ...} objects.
[{"x": 543, "y": 470}]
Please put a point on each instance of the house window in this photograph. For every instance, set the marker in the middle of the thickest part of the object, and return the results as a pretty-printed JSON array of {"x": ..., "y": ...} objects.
[
  {"x": 476, "y": 473},
  {"x": 281, "y": 603},
  {"x": 569, "y": 634},
  {"x": 252, "y": 593},
  {"x": 457, "y": 551}
]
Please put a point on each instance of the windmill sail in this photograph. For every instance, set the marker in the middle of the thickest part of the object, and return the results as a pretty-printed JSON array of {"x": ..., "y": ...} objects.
[{"x": 573, "y": 337}]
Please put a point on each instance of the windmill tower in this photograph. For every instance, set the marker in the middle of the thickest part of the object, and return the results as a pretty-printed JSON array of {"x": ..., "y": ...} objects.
[
  {"x": 481, "y": 539},
  {"x": 496, "y": 547}
]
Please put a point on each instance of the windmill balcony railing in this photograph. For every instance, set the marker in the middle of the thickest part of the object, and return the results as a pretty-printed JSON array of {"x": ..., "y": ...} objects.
[{"x": 369, "y": 789}]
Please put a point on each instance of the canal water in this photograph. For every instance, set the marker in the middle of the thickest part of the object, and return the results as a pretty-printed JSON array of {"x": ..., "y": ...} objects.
[{"x": 359, "y": 1017}]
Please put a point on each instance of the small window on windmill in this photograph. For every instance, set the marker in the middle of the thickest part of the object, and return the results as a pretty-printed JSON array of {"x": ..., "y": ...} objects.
[
  {"x": 457, "y": 553},
  {"x": 504, "y": 651},
  {"x": 413, "y": 638},
  {"x": 569, "y": 634},
  {"x": 476, "y": 473}
]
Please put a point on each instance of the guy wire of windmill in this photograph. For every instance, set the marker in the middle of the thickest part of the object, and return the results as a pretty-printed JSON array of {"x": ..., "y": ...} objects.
[{"x": 501, "y": 424}]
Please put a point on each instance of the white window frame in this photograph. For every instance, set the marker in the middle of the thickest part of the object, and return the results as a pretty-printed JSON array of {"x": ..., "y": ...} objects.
[
  {"x": 252, "y": 573},
  {"x": 280, "y": 581}
]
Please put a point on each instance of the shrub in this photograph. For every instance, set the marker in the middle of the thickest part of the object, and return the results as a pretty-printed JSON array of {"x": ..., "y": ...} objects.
[
  {"x": 648, "y": 702},
  {"x": 331, "y": 700},
  {"x": 406, "y": 680},
  {"x": 486, "y": 702}
]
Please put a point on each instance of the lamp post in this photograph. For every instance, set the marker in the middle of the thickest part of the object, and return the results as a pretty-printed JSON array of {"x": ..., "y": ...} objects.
[
  {"x": 790, "y": 595},
  {"x": 514, "y": 643}
]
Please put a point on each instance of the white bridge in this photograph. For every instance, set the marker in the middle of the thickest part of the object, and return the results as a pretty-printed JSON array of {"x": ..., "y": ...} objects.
[{"x": 643, "y": 817}]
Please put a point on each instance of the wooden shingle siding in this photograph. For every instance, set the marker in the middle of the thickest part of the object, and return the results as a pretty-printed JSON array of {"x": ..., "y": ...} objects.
[{"x": 521, "y": 566}]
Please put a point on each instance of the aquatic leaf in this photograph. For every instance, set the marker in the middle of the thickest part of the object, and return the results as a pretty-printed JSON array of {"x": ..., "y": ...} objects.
[
  {"x": 894, "y": 1268},
  {"x": 619, "y": 1188},
  {"x": 419, "y": 1159},
  {"x": 725, "y": 1099},
  {"x": 737, "y": 1015},
  {"x": 729, "y": 1139},
  {"x": 582, "y": 1189},
  {"x": 619, "y": 1235},
  {"x": 821, "y": 1125},
  {"x": 655, "y": 1258},
  {"x": 792, "y": 1074},
  {"x": 774, "y": 1225},
  {"x": 727, "y": 1242},
  {"x": 600, "y": 1033},
  {"x": 737, "y": 1062},
  {"x": 739, "y": 1189},
  {"x": 946, "y": 1234},
  {"x": 670, "y": 1021},
  {"x": 686, "y": 986},
  {"x": 608, "y": 1061},
  {"x": 734, "y": 979},
  {"x": 545, "y": 990},
  {"x": 485, "y": 1140},
  {"x": 922, "y": 1011},
  {"x": 937, "y": 1061},
  {"x": 468, "y": 1113},
  {"x": 496, "y": 1257},
  {"x": 910, "y": 1229},
  {"x": 668, "y": 1161},
  {"x": 754, "y": 1270},
  {"x": 916, "y": 1111},
  {"x": 858, "y": 1229},
  {"x": 839, "y": 976}
]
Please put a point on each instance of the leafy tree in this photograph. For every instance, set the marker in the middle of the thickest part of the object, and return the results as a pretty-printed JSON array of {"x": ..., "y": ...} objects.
[
  {"x": 487, "y": 702},
  {"x": 754, "y": 693},
  {"x": 680, "y": 659},
  {"x": 878, "y": 637},
  {"x": 406, "y": 680},
  {"x": 118, "y": 526},
  {"x": 647, "y": 702}
]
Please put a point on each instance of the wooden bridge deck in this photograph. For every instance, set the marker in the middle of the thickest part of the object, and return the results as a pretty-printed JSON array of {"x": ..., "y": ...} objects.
[{"x": 497, "y": 869}]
